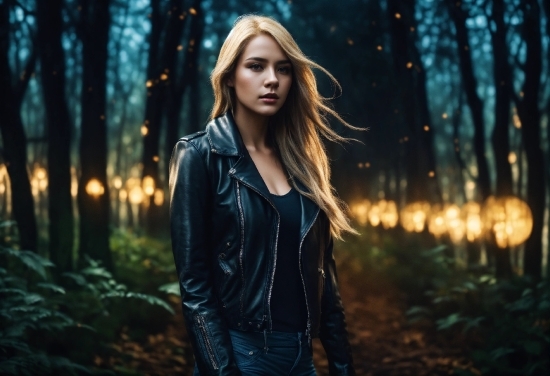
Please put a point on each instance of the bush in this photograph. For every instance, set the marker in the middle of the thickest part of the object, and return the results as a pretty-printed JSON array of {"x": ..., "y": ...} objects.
[
  {"x": 48, "y": 328},
  {"x": 507, "y": 323}
]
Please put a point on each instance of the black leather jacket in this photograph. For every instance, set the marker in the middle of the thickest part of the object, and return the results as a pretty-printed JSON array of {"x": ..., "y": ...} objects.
[{"x": 224, "y": 236}]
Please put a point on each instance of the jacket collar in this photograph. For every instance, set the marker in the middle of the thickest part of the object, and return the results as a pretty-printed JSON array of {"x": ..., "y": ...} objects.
[{"x": 224, "y": 137}]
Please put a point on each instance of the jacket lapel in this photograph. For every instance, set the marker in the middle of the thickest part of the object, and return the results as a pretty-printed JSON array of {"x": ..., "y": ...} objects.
[{"x": 225, "y": 139}]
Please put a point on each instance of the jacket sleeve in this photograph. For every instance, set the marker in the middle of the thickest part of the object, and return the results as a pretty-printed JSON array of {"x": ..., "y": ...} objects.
[
  {"x": 190, "y": 216},
  {"x": 333, "y": 333}
]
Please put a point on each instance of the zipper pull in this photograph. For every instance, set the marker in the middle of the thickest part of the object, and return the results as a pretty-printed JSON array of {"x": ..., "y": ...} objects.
[{"x": 322, "y": 272}]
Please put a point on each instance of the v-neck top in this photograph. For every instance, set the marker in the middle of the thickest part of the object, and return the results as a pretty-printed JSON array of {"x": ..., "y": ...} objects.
[{"x": 288, "y": 304}]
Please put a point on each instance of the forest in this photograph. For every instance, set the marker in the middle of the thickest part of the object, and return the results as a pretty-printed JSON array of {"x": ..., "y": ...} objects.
[{"x": 448, "y": 184}]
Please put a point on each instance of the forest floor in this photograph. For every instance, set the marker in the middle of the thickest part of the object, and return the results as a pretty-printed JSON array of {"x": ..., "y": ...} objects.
[{"x": 383, "y": 342}]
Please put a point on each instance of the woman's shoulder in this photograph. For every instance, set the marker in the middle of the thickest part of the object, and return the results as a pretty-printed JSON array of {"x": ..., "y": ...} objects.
[{"x": 191, "y": 147}]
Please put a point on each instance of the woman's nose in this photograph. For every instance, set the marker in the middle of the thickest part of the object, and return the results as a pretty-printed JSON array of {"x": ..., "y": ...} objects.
[{"x": 271, "y": 79}]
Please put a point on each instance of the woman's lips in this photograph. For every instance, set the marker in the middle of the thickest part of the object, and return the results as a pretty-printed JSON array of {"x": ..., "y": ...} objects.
[{"x": 269, "y": 98}]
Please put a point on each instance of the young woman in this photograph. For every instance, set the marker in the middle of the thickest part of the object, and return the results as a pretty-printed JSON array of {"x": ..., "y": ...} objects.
[{"x": 253, "y": 215}]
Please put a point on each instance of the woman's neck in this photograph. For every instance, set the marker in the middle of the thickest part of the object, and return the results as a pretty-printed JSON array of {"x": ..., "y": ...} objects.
[{"x": 253, "y": 129}]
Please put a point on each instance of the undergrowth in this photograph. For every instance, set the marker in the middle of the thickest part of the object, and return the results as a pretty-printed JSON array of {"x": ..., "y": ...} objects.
[
  {"x": 505, "y": 324},
  {"x": 62, "y": 327}
]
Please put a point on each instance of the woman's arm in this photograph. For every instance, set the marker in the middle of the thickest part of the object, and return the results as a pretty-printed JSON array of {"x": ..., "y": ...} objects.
[
  {"x": 333, "y": 333},
  {"x": 190, "y": 216}
]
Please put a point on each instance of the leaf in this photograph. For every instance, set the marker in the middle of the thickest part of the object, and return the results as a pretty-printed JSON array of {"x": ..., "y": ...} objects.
[
  {"x": 30, "y": 259},
  {"x": 32, "y": 298},
  {"x": 79, "y": 279},
  {"x": 153, "y": 300},
  {"x": 97, "y": 271},
  {"x": 12, "y": 343},
  {"x": 472, "y": 323},
  {"x": 51, "y": 287},
  {"x": 171, "y": 288},
  {"x": 449, "y": 321},
  {"x": 499, "y": 352},
  {"x": 12, "y": 291}
]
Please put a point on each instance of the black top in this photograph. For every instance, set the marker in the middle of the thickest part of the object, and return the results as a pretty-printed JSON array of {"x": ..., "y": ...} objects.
[{"x": 288, "y": 304}]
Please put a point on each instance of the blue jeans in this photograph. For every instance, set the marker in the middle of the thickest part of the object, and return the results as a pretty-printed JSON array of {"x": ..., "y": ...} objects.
[{"x": 271, "y": 354}]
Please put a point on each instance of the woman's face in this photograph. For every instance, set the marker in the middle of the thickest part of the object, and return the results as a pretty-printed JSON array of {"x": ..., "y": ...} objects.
[{"x": 262, "y": 78}]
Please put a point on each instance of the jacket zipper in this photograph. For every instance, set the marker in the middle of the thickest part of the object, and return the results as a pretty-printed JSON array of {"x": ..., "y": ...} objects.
[
  {"x": 308, "y": 330},
  {"x": 275, "y": 253},
  {"x": 241, "y": 251},
  {"x": 208, "y": 345}
]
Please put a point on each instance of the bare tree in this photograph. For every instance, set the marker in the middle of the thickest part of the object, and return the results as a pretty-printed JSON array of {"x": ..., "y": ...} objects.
[
  {"x": 530, "y": 115},
  {"x": 421, "y": 182},
  {"x": 14, "y": 150},
  {"x": 93, "y": 207},
  {"x": 52, "y": 62}
]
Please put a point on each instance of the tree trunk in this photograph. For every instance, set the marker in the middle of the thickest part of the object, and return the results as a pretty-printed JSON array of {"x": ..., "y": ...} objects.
[
  {"x": 420, "y": 170},
  {"x": 547, "y": 12},
  {"x": 188, "y": 79},
  {"x": 160, "y": 76},
  {"x": 94, "y": 207},
  {"x": 529, "y": 113},
  {"x": 458, "y": 16},
  {"x": 50, "y": 27},
  {"x": 14, "y": 150},
  {"x": 500, "y": 138}
]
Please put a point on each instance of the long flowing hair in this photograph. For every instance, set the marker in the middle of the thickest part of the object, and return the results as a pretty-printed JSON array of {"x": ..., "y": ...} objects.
[{"x": 300, "y": 124}]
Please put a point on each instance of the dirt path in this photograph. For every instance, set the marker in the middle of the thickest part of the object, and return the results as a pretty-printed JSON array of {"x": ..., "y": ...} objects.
[{"x": 383, "y": 343}]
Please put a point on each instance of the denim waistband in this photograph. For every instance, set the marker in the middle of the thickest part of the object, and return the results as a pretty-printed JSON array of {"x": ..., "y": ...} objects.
[{"x": 267, "y": 339}]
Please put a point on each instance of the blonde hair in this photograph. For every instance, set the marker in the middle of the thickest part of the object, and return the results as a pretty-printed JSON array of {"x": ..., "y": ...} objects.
[{"x": 298, "y": 126}]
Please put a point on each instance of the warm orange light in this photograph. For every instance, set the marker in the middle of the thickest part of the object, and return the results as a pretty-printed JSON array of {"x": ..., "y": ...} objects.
[
  {"x": 512, "y": 157},
  {"x": 42, "y": 184},
  {"x": 436, "y": 222},
  {"x": 360, "y": 211},
  {"x": 414, "y": 215},
  {"x": 388, "y": 213},
  {"x": 40, "y": 173},
  {"x": 510, "y": 220},
  {"x": 148, "y": 185},
  {"x": 122, "y": 195},
  {"x": 149, "y": 83},
  {"x": 454, "y": 224},
  {"x": 132, "y": 182},
  {"x": 117, "y": 182},
  {"x": 158, "y": 197},
  {"x": 94, "y": 188},
  {"x": 74, "y": 188},
  {"x": 144, "y": 130},
  {"x": 471, "y": 215},
  {"x": 135, "y": 195}
]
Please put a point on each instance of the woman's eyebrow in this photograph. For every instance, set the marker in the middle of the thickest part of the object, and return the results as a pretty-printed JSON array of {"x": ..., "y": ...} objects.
[{"x": 262, "y": 60}]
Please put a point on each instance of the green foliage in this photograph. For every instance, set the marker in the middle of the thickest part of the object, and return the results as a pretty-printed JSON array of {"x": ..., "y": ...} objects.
[
  {"x": 48, "y": 328},
  {"x": 142, "y": 261},
  {"x": 27, "y": 307},
  {"x": 506, "y": 322}
]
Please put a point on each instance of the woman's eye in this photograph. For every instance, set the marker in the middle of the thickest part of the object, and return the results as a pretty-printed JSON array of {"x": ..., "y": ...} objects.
[
  {"x": 284, "y": 70},
  {"x": 255, "y": 67}
]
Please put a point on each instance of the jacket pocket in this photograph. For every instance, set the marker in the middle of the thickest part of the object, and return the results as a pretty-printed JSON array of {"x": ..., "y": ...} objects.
[{"x": 205, "y": 342}]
